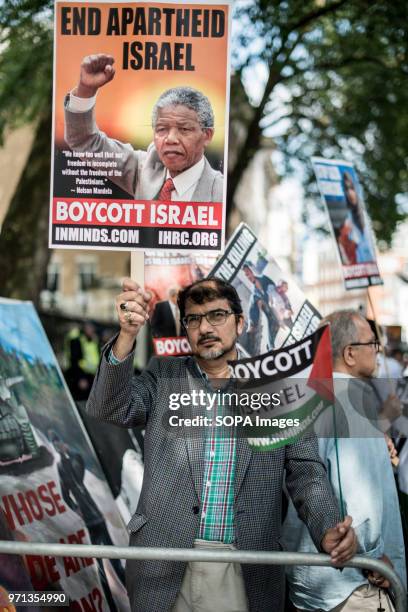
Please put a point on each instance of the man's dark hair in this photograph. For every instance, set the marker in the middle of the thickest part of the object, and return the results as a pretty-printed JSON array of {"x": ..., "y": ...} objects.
[{"x": 206, "y": 290}]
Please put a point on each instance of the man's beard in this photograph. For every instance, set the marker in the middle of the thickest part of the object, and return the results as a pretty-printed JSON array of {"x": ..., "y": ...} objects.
[
  {"x": 209, "y": 355},
  {"x": 212, "y": 354}
]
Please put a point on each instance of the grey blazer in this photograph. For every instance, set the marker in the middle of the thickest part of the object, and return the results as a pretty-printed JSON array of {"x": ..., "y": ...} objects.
[
  {"x": 168, "y": 513},
  {"x": 143, "y": 174}
]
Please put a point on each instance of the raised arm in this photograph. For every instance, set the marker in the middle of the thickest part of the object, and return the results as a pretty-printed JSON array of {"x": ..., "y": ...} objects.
[
  {"x": 81, "y": 131},
  {"x": 117, "y": 395}
]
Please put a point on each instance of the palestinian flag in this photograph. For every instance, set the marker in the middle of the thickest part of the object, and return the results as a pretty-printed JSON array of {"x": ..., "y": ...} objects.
[{"x": 283, "y": 392}]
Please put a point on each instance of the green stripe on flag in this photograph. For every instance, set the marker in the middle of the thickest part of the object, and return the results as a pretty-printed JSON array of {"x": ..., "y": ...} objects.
[{"x": 267, "y": 438}]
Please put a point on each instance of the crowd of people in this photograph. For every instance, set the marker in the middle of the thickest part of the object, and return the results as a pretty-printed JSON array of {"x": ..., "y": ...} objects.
[
  {"x": 212, "y": 492},
  {"x": 330, "y": 491}
]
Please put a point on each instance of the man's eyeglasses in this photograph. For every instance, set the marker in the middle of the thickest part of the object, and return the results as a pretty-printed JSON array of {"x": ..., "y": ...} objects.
[
  {"x": 214, "y": 317},
  {"x": 374, "y": 343}
]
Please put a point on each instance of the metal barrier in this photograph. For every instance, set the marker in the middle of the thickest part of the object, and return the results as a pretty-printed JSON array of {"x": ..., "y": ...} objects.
[{"x": 183, "y": 554}]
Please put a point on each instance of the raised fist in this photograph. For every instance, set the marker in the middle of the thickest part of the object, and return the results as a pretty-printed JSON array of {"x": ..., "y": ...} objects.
[{"x": 96, "y": 71}]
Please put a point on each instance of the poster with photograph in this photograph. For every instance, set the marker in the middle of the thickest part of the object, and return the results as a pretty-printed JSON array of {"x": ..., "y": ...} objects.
[
  {"x": 140, "y": 125},
  {"x": 276, "y": 311},
  {"x": 165, "y": 274},
  {"x": 52, "y": 488},
  {"x": 341, "y": 192}
]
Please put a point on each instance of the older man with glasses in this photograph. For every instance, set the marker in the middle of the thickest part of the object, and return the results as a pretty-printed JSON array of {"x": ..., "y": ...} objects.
[
  {"x": 206, "y": 489},
  {"x": 362, "y": 478}
]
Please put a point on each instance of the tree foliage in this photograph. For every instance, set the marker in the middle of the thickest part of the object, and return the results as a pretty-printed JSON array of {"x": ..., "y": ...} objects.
[
  {"x": 335, "y": 84},
  {"x": 25, "y": 96},
  {"x": 25, "y": 62}
]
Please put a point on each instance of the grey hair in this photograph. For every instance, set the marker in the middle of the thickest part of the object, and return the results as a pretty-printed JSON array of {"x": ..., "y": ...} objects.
[
  {"x": 189, "y": 97},
  {"x": 173, "y": 291},
  {"x": 343, "y": 330}
]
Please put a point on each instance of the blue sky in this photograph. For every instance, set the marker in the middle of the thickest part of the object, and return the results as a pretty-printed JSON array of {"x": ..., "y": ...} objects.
[{"x": 20, "y": 328}]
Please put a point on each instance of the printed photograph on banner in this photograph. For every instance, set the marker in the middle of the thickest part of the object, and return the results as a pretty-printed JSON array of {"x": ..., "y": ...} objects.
[
  {"x": 350, "y": 224},
  {"x": 299, "y": 379},
  {"x": 52, "y": 488},
  {"x": 140, "y": 125},
  {"x": 276, "y": 311},
  {"x": 165, "y": 274}
]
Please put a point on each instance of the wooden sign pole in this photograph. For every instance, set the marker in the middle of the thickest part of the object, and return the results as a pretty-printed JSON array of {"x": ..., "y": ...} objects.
[
  {"x": 137, "y": 267},
  {"x": 137, "y": 259}
]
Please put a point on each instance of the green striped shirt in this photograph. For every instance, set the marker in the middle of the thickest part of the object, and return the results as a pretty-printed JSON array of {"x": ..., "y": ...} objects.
[{"x": 217, "y": 497}]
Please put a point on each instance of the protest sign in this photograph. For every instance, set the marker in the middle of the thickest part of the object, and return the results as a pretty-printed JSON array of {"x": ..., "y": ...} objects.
[
  {"x": 165, "y": 274},
  {"x": 298, "y": 378},
  {"x": 275, "y": 309},
  {"x": 350, "y": 224},
  {"x": 109, "y": 178},
  {"x": 52, "y": 488}
]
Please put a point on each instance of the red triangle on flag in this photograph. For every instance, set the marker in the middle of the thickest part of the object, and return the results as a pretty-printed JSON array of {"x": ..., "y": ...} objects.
[{"x": 321, "y": 376}]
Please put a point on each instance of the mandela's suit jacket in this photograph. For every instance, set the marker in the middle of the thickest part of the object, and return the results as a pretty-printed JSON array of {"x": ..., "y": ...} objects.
[
  {"x": 168, "y": 513},
  {"x": 162, "y": 322},
  {"x": 143, "y": 174}
]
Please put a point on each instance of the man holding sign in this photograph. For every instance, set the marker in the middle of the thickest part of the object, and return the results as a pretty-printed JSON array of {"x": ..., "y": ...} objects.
[
  {"x": 174, "y": 166},
  {"x": 203, "y": 489}
]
